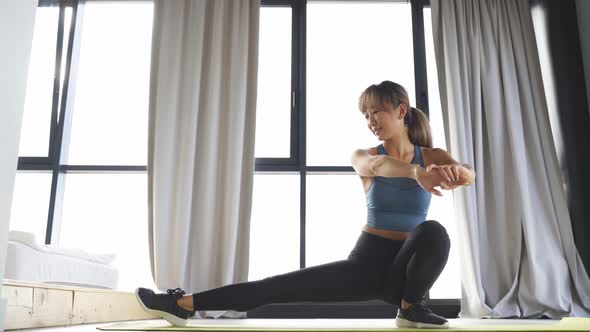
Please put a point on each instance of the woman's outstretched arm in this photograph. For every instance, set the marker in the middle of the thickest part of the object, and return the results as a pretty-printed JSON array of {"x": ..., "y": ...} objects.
[
  {"x": 366, "y": 164},
  {"x": 460, "y": 175}
]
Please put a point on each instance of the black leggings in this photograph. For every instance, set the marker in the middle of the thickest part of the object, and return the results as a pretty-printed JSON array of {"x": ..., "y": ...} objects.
[{"x": 377, "y": 268}]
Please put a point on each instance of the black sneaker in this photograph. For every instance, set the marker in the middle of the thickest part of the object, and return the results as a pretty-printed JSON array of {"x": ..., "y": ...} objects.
[
  {"x": 164, "y": 305},
  {"x": 419, "y": 316}
]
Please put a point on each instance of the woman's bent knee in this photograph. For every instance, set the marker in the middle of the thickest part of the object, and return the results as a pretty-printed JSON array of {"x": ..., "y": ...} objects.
[
  {"x": 432, "y": 227},
  {"x": 432, "y": 230}
]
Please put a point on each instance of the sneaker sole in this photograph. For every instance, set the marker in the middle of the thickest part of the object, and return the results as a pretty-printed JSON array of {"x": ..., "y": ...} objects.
[
  {"x": 400, "y": 322},
  {"x": 176, "y": 321}
]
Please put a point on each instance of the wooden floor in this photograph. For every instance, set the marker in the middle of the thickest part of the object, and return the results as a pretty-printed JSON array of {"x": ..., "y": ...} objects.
[{"x": 452, "y": 322}]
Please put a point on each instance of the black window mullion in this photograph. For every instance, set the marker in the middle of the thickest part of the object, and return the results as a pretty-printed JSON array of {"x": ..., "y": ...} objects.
[
  {"x": 295, "y": 81},
  {"x": 299, "y": 36},
  {"x": 274, "y": 161},
  {"x": 56, "y": 83},
  {"x": 420, "y": 56},
  {"x": 330, "y": 169},
  {"x": 54, "y": 130},
  {"x": 269, "y": 3},
  {"x": 54, "y": 3},
  {"x": 420, "y": 70},
  {"x": 102, "y": 168},
  {"x": 34, "y": 164},
  {"x": 61, "y": 138}
]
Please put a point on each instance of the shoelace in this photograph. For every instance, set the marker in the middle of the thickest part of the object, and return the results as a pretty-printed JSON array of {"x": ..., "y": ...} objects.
[
  {"x": 176, "y": 291},
  {"x": 176, "y": 294}
]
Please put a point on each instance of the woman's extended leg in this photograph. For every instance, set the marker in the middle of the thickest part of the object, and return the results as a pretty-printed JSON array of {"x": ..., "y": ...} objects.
[
  {"x": 418, "y": 264},
  {"x": 358, "y": 278},
  {"x": 344, "y": 280}
]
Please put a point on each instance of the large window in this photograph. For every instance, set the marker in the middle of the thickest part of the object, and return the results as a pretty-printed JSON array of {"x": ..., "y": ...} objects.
[
  {"x": 347, "y": 46},
  {"x": 83, "y": 149}
]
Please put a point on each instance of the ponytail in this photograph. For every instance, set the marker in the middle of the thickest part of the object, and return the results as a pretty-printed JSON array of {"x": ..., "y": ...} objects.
[{"x": 418, "y": 127}]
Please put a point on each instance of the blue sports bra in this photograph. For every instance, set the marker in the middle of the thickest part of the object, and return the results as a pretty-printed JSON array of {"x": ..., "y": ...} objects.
[{"x": 399, "y": 203}]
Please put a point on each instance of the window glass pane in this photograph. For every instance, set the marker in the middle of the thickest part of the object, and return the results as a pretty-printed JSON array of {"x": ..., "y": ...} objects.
[
  {"x": 435, "y": 110},
  {"x": 34, "y": 140},
  {"x": 274, "y": 225},
  {"x": 349, "y": 47},
  {"x": 109, "y": 124},
  {"x": 273, "y": 109},
  {"x": 448, "y": 284},
  {"x": 336, "y": 212},
  {"x": 30, "y": 203},
  {"x": 107, "y": 213}
]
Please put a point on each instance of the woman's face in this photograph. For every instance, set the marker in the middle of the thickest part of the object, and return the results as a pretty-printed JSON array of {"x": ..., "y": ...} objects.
[{"x": 384, "y": 121}]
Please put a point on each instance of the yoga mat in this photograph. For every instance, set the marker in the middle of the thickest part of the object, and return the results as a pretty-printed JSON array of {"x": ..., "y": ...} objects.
[{"x": 565, "y": 324}]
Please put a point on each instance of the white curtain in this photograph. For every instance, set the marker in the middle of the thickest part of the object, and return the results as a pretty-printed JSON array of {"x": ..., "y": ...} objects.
[
  {"x": 17, "y": 26},
  {"x": 515, "y": 235},
  {"x": 201, "y": 141}
]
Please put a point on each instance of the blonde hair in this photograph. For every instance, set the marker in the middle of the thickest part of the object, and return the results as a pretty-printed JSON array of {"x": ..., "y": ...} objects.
[{"x": 389, "y": 92}]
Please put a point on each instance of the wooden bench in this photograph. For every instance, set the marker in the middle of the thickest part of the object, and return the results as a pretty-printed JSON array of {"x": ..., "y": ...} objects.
[{"x": 32, "y": 305}]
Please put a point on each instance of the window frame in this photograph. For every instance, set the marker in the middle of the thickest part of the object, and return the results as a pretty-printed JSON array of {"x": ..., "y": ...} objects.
[
  {"x": 297, "y": 163},
  {"x": 447, "y": 307}
]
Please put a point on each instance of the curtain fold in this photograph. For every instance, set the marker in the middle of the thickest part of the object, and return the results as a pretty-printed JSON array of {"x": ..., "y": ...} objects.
[
  {"x": 201, "y": 141},
  {"x": 515, "y": 235}
]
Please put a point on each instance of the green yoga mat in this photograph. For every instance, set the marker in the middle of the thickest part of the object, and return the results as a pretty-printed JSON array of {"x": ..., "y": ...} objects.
[{"x": 565, "y": 324}]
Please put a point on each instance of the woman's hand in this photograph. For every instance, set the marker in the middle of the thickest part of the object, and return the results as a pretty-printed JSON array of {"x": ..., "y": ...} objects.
[
  {"x": 453, "y": 175},
  {"x": 428, "y": 179}
]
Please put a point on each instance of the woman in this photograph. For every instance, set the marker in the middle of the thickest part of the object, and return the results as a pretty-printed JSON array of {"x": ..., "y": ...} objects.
[{"x": 398, "y": 255}]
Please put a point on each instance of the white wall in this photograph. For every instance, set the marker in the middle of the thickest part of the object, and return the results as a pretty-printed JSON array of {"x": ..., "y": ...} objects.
[
  {"x": 17, "y": 20},
  {"x": 583, "y": 8}
]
